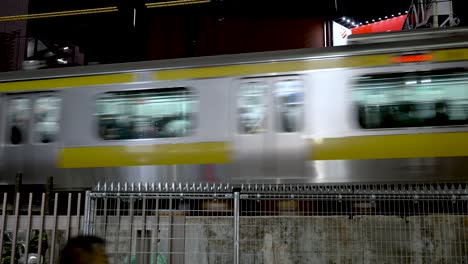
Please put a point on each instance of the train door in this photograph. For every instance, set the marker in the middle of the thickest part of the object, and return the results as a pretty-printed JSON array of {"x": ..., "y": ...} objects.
[
  {"x": 31, "y": 132},
  {"x": 288, "y": 95},
  {"x": 252, "y": 108},
  {"x": 270, "y": 114},
  {"x": 45, "y": 135},
  {"x": 16, "y": 131}
]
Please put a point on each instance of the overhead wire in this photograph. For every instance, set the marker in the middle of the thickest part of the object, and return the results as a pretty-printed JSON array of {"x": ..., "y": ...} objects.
[
  {"x": 97, "y": 10},
  {"x": 175, "y": 3},
  {"x": 60, "y": 13}
]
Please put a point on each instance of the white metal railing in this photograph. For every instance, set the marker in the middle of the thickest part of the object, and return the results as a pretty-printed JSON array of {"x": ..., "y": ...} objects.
[
  {"x": 216, "y": 223},
  {"x": 220, "y": 223},
  {"x": 31, "y": 233}
]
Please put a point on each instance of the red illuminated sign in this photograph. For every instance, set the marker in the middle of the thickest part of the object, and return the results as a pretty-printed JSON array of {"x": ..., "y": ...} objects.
[{"x": 412, "y": 58}]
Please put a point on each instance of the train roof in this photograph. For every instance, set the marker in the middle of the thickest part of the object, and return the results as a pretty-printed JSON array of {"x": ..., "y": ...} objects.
[{"x": 400, "y": 45}]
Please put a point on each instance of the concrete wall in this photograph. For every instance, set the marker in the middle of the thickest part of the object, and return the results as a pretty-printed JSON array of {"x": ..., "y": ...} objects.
[
  {"x": 335, "y": 239},
  {"x": 289, "y": 239}
]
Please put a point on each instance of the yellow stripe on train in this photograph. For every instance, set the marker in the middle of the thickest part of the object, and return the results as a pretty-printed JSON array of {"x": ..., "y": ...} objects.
[
  {"x": 140, "y": 155},
  {"x": 69, "y": 82},
  {"x": 299, "y": 65},
  {"x": 391, "y": 146},
  {"x": 272, "y": 67},
  {"x": 226, "y": 71},
  {"x": 345, "y": 148}
]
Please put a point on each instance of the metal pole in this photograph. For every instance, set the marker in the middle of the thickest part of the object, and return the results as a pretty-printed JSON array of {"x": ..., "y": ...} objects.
[
  {"x": 41, "y": 230},
  {"x": 78, "y": 215},
  {"x": 4, "y": 218},
  {"x": 67, "y": 232},
  {"x": 54, "y": 230},
  {"x": 49, "y": 188},
  {"x": 436, "y": 14},
  {"x": 236, "y": 226},
  {"x": 19, "y": 182},
  {"x": 28, "y": 228},
  {"x": 15, "y": 230},
  {"x": 85, "y": 230}
]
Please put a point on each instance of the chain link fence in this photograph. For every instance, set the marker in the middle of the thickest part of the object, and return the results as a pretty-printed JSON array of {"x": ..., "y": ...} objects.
[
  {"x": 176, "y": 223},
  {"x": 154, "y": 224}
]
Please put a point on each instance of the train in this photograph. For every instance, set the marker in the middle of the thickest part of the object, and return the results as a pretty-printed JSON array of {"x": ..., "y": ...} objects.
[{"x": 391, "y": 107}]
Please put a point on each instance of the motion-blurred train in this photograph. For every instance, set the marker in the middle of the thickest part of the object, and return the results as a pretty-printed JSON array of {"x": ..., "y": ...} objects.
[{"x": 390, "y": 107}]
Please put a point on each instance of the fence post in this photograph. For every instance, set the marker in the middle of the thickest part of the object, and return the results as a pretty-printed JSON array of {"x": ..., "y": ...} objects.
[
  {"x": 3, "y": 224},
  {"x": 86, "y": 222},
  {"x": 49, "y": 189},
  {"x": 236, "y": 226},
  {"x": 15, "y": 230},
  {"x": 19, "y": 182}
]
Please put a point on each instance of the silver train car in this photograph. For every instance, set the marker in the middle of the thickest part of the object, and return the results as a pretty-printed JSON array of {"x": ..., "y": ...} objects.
[{"x": 369, "y": 112}]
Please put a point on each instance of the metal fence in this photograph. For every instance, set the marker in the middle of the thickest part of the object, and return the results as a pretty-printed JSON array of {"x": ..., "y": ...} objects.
[
  {"x": 154, "y": 223},
  {"x": 34, "y": 227}
]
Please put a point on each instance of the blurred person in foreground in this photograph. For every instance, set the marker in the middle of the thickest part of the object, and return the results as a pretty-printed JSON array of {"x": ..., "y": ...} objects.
[{"x": 84, "y": 250}]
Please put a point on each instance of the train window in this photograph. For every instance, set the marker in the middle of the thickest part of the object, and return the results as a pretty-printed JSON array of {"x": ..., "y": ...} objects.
[
  {"x": 46, "y": 115},
  {"x": 160, "y": 113},
  {"x": 18, "y": 119},
  {"x": 289, "y": 97},
  {"x": 436, "y": 98},
  {"x": 252, "y": 108}
]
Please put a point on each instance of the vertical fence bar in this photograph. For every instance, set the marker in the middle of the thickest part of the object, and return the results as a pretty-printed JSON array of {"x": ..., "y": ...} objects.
[
  {"x": 156, "y": 229},
  {"x": 4, "y": 218},
  {"x": 104, "y": 216},
  {"x": 41, "y": 228},
  {"x": 67, "y": 232},
  {"x": 28, "y": 227},
  {"x": 54, "y": 230},
  {"x": 78, "y": 215},
  {"x": 118, "y": 219},
  {"x": 170, "y": 231},
  {"x": 143, "y": 232},
  {"x": 236, "y": 227},
  {"x": 86, "y": 221},
  {"x": 130, "y": 224},
  {"x": 15, "y": 230}
]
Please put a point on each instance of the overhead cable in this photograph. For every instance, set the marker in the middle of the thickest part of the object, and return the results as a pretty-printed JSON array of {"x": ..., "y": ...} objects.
[
  {"x": 60, "y": 14},
  {"x": 175, "y": 3}
]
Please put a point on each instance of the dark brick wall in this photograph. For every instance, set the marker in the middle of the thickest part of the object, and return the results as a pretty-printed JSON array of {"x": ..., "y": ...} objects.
[{"x": 184, "y": 36}]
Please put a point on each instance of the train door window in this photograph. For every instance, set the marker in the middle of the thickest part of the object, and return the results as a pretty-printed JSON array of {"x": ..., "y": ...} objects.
[
  {"x": 158, "y": 113},
  {"x": 18, "y": 120},
  {"x": 422, "y": 99},
  {"x": 289, "y": 97},
  {"x": 47, "y": 116},
  {"x": 252, "y": 104}
]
